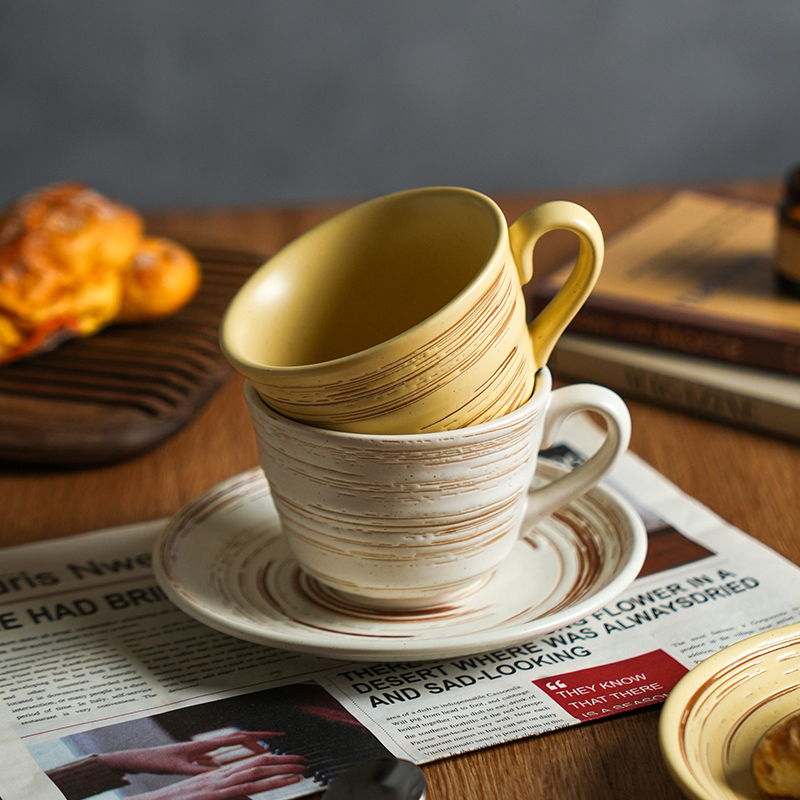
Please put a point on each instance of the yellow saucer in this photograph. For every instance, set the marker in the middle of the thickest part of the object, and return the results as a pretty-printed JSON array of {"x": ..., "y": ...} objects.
[{"x": 715, "y": 715}]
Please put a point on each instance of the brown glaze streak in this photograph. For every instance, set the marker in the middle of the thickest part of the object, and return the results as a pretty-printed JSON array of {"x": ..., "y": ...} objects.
[
  {"x": 229, "y": 495},
  {"x": 307, "y": 588},
  {"x": 591, "y": 564},
  {"x": 508, "y": 375},
  {"x": 439, "y": 527},
  {"x": 312, "y": 592},
  {"x": 331, "y": 600},
  {"x": 242, "y": 583},
  {"x": 234, "y": 493},
  {"x": 470, "y": 447},
  {"x": 481, "y": 326},
  {"x": 471, "y": 327},
  {"x": 765, "y": 701}
]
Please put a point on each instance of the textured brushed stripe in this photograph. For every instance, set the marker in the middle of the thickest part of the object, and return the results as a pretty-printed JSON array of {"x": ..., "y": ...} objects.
[{"x": 428, "y": 370}]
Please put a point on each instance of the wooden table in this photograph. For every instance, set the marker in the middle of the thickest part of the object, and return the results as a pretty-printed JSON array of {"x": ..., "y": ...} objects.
[{"x": 749, "y": 479}]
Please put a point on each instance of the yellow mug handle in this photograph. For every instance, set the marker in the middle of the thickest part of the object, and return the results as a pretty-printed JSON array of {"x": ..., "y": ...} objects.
[{"x": 553, "y": 319}]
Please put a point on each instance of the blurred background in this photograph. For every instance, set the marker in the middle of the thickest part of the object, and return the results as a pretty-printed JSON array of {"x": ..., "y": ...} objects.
[{"x": 208, "y": 102}]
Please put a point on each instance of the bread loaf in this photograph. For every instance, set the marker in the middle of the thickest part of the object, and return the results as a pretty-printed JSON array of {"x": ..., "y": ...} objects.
[{"x": 776, "y": 760}]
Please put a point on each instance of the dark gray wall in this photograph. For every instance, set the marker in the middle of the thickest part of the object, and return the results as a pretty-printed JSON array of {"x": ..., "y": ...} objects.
[{"x": 200, "y": 102}]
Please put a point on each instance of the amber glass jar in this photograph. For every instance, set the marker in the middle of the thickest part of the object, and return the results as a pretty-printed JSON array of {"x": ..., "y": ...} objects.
[{"x": 787, "y": 253}]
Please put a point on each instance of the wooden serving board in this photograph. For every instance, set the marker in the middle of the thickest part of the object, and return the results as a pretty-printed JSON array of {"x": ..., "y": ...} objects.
[{"x": 126, "y": 389}]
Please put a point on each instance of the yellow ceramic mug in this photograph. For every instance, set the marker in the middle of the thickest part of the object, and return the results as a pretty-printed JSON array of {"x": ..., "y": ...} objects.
[{"x": 406, "y": 314}]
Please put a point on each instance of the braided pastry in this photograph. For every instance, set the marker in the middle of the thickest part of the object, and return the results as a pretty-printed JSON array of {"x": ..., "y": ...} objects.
[{"x": 72, "y": 261}]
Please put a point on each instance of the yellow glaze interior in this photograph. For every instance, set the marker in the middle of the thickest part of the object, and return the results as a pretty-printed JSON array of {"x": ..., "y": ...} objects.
[{"x": 362, "y": 278}]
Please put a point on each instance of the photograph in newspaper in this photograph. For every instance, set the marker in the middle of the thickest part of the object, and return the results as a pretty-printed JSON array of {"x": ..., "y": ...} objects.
[{"x": 259, "y": 742}]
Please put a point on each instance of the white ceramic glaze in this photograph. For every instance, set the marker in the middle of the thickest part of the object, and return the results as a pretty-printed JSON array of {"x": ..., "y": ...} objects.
[
  {"x": 715, "y": 715},
  {"x": 224, "y": 560},
  {"x": 406, "y": 313},
  {"x": 393, "y": 521}
]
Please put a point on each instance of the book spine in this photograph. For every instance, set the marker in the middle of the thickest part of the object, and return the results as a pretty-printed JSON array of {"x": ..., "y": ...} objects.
[
  {"x": 689, "y": 395},
  {"x": 740, "y": 345}
]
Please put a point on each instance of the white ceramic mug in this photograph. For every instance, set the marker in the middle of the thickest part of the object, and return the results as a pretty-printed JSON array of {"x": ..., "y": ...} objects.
[{"x": 413, "y": 521}]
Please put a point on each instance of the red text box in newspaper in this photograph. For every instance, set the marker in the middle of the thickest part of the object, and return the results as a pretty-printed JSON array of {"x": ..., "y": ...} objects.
[{"x": 615, "y": 688}]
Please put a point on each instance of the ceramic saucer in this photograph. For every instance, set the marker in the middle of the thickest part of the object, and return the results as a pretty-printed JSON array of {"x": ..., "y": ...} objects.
[
  {"x": 223, "y": 560},
  {"x": 715, "y": 715}
]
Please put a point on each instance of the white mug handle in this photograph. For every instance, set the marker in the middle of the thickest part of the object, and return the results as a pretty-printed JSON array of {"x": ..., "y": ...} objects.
[{"x": 565, "y": 402}]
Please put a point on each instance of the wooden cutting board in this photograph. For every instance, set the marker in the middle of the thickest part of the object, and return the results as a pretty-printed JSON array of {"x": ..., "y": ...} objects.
[{"x": 126, "y": 389}]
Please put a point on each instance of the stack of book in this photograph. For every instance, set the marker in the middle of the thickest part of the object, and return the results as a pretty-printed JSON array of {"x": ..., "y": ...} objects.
[{"x": 687, "y": 313}]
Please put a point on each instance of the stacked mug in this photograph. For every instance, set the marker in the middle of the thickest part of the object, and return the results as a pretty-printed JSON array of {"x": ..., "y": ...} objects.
[{"x": 400, "y": 398}]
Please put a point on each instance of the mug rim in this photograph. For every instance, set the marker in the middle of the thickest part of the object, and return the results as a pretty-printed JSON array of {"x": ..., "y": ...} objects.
[
  {"x": 542, "y": 387},
  {"x": 253, "y": 368}
]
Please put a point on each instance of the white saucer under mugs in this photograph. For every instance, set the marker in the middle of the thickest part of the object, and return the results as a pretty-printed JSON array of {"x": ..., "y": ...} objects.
[{"x": 224, "y": 560}]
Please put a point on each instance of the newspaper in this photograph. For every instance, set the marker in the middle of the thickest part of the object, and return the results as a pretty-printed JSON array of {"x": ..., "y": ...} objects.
[{"x": 100, "y": 675}]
